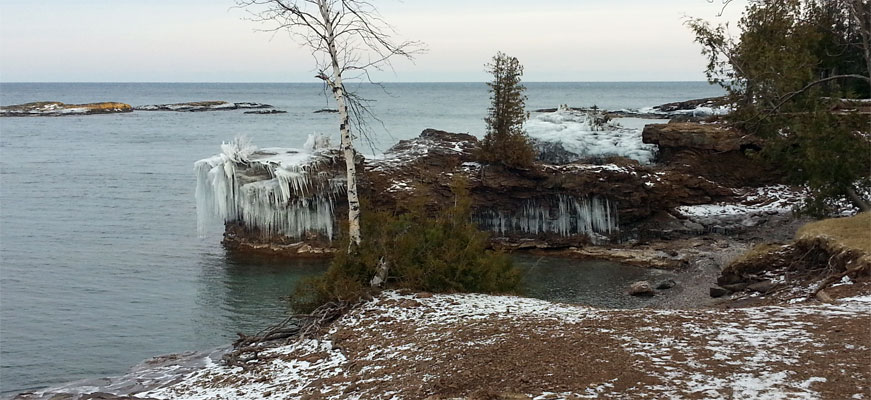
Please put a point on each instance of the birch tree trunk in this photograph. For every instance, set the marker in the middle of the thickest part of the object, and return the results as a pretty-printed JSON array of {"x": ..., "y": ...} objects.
[{"x": 338, "y": 89}]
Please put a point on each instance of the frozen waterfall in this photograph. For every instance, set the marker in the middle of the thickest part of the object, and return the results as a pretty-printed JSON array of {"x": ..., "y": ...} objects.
[
  {"x": 275, "y": 191},
  {"x": 563, "y": 215}
]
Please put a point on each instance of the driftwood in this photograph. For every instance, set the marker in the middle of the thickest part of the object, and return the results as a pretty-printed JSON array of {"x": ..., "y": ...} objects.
[{"x": 294, "y": 327}]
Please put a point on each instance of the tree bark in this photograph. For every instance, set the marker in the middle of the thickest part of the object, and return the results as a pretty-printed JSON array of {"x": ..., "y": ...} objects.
[
  {"x": 335, "y": 83},
  {"x": 857, "y": 200},
  {"x": 860, "y": 13}
]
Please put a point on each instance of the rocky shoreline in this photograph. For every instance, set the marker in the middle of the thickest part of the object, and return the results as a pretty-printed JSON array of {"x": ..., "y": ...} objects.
[
  {"x": 58, "y": 109},
  {"x": 697, "y": 207}
]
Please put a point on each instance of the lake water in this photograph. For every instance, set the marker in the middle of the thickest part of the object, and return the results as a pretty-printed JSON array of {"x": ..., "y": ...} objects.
[{"x": 101, "y": 265}]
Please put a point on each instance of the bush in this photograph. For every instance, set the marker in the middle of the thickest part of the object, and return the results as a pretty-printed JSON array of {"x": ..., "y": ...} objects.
[
  {"x": 442, "y": 254},
  {"x": 506, "y": 142}
]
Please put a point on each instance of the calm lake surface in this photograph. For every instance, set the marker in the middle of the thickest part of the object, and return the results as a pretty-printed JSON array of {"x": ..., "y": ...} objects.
[{"x": 101, "y": 265}]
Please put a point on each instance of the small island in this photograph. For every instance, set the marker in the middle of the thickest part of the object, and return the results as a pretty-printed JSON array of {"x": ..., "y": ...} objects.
[{"x": 58, "y": 109}]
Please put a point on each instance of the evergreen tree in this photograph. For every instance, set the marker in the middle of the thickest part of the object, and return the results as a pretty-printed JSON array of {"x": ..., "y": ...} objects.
[
  {"x": 787, "y": 77},
  {"x": 506, "y": 141}
]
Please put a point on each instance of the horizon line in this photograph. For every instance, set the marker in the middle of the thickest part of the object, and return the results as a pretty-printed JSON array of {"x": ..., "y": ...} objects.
[{"x": 373, "y": 83}]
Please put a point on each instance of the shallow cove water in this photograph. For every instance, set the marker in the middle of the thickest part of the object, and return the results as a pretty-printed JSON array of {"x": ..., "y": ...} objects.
[
  {"x": 100, "y": 263},
  {"x": 595, "y": 283}
]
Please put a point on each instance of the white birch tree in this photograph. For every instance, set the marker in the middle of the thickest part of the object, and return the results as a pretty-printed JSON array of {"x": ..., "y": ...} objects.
[{"x": 348, "y": 39}]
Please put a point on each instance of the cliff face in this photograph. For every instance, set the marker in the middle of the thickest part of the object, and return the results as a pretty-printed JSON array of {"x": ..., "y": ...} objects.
[
  {"x": 711, "y": 151},
  {"x": 563, "y": 203}
]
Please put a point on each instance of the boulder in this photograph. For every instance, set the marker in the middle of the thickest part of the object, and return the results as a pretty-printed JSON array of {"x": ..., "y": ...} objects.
[
  {"x": 266, "y": 112},
  {"x": 690, "y": 105},
  {"x": 666, "y": 284},
  {"x": 641, "y": 288},
  {"x": 719, "y": 292}
]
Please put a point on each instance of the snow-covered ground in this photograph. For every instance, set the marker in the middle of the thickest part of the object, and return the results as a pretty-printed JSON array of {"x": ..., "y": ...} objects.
[
  {"x": 406, "y": 346},
  {"x": 753, "y": 204},
  {"x": 580, "y": 133}
]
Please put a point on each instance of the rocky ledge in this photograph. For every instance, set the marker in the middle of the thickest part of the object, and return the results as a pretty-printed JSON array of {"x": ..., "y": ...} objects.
[
  {"x": 697, "y": 186},
  {"x": 202, "y": 106},
  {"x": 58, "y": 109}
]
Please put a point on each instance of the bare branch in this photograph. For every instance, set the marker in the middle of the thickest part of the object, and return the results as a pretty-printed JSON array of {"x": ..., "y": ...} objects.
[{"x": 789, "y": 96}]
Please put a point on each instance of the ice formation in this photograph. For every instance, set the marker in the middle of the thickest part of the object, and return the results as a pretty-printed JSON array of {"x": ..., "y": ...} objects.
[
  {"x": 275, "y": 191},
  {"x": 588, "y": 135},
  {"x": 563, "y": 215}
]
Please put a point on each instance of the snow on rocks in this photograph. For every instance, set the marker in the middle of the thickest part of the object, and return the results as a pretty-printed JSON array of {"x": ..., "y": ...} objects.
[
  {"x": 430, "y": 141},
  {"x": 56, "y": 108},
  {"x": 282, "y": 191},
  {"x": 400, "y": 346},
  {"x": 753, "y": 206},
  {"x": 202, "y": 106},
  {"x": 568, "y": 135}
]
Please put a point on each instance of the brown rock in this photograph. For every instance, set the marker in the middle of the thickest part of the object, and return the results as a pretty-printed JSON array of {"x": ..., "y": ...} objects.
[
  {"x": 694, "y": 136},
  {"x": 641, "y": 288}
]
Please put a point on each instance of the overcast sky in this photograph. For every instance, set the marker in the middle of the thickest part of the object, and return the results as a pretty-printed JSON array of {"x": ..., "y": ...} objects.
[{"x": 210, "y": 41}]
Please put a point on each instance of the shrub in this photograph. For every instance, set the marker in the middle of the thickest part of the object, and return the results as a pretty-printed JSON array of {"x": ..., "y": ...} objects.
[
  {"x": 446, "y": 253},
  {"x": 506, "y": 142}
]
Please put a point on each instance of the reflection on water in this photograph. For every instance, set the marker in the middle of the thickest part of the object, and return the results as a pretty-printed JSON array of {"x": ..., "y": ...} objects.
[
  {"x": 247, "y": 294},
  {"x": 590, "y": 282}
]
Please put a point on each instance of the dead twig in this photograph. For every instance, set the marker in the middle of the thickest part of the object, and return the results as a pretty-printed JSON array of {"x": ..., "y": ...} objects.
[{"x": 295, "y": 327}]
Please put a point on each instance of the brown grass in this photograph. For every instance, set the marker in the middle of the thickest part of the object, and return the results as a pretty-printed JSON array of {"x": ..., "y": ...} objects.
[
  {"x": 850, "y": 232},
  {"x": 760, "y": 250}
]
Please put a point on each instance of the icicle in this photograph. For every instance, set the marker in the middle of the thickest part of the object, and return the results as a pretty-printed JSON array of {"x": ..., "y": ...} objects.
[
  {"x": 295, "y": 200},
  {"x": 563, "y": 215}
]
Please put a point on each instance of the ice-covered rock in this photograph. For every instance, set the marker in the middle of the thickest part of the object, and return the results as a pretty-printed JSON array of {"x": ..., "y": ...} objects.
[
  {"x": 274, "y": 191},
  {"x": 202, "y": 106},
  {"x": 568, "y": 135}
]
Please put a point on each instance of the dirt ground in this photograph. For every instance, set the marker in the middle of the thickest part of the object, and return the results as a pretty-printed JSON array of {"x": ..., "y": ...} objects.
[{"x": 493, "y": 347}]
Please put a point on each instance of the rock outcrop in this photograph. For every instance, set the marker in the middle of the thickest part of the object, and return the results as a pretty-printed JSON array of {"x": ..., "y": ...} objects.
[
  {"x": 690, "y": 135},
  {"x": 202, "y": 106},
  {"x": 712, "y": 151},
  {"x": 690, "y": 105},
  {"x": 548, "y": 206},
  {"x": 266, "y": 112},
  {"x": 57, "y": 109}
]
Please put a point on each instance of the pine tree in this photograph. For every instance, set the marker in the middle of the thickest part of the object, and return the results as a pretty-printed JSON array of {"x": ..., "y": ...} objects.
[{"x": 506, "y": 141}]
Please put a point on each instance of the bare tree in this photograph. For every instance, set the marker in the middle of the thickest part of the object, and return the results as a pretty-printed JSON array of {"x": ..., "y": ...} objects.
[{"x": 348, "y": 39}]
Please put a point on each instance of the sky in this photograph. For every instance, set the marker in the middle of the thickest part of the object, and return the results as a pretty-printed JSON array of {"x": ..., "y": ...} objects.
[{"x": 213, "y": 41}]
